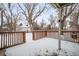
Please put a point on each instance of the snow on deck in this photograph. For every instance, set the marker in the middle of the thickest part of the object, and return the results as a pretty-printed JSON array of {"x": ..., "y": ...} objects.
[{"x": 43, "y": 47}]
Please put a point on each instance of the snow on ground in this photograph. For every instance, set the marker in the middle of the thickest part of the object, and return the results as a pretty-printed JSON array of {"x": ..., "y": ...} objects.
[{"x": 43, "y": 47}]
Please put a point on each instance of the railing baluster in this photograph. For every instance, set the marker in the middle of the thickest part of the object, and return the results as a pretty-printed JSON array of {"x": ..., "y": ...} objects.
[
  {"x": 17, "y": 38},
  {"x": 12, "y": 38},
  {"x": 9, "y": 39},
  {"x": 21, "y": 37},
  {"x": 6, "y": 38},
  {"x": 1, "y": 40}
]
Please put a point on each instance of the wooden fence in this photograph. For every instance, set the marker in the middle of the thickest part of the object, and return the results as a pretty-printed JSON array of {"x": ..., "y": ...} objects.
[
  {"x": 67, "y": 35},
  {"x": 9, "y": 39}
]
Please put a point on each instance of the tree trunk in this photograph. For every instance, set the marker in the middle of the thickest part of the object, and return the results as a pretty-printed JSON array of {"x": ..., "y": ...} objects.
[
  {"x": 8, "y": 25},
  {"x": 14, "y": 25},
  {"x": 31, "y": 27},
  {"x": 30, "y": 23},
  {"x": 1, "y": 20}
]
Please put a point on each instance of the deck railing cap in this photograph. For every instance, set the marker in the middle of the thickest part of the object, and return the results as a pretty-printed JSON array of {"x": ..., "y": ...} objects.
[{"x": 12, "y": 31}]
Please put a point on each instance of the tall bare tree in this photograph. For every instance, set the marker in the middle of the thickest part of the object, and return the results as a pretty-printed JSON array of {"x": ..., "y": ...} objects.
[
  {"x": 31, "y": 11},
  {"x": 8, "y": 16},
  {"x": 11, "y": 16}
]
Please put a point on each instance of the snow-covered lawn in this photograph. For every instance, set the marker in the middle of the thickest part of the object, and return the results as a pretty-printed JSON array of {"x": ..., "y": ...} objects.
[{"x": 43, "y": 47}]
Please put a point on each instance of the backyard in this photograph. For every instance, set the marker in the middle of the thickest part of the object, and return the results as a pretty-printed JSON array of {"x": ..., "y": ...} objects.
[{"x": 39, "y": 29}]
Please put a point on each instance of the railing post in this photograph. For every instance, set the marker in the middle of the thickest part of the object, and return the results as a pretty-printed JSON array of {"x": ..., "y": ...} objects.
[
  {"x": 33, "y": 35},
  {"x": 24, "y": 37},
  {"x": 45, "y": 33}
]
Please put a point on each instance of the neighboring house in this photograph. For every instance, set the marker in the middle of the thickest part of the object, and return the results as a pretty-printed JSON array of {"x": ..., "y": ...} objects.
[
  {"x": 22, "y": 28},
  {"x": 19, "y": 28}
]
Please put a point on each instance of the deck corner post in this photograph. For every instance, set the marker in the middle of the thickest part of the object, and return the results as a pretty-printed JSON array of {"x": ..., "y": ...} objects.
[
  {"x": 24, "y": 37},
  {"x": 33, "y": 35}
]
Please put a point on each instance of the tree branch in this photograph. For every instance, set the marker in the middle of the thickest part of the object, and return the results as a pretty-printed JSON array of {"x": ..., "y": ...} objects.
[
  {"x": 70, "y": 11},
  {"x": 39, "y": 13},
  {"x": 24, "y": 12}
]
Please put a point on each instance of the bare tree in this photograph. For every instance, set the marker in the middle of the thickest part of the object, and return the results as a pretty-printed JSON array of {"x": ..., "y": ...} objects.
[
  {"x": 8, "y": 16},
  {"x": 11, "y": 17},
  {"x": 67, "y": 12},
  {"x": 31, "y": 11}
]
